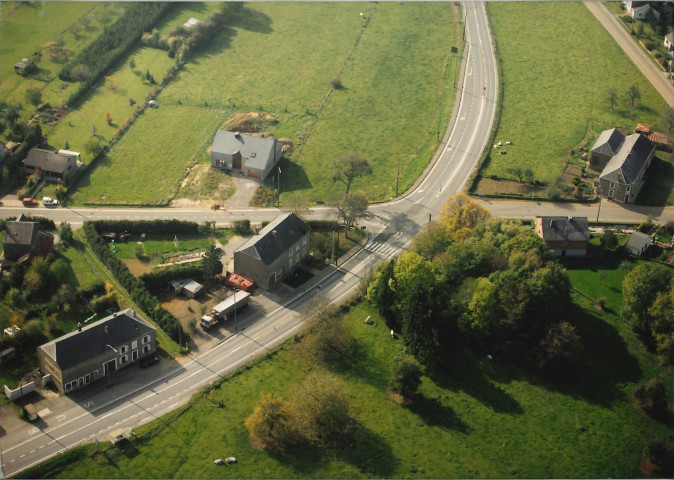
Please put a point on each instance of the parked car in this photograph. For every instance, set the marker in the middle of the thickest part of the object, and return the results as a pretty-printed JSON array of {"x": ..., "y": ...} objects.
[
  {"x": 31, "y": 412},
  {"x": 49, "y": 202},
  {"x": 149, "y": 361},
  {"x": 29, "y": 202}
]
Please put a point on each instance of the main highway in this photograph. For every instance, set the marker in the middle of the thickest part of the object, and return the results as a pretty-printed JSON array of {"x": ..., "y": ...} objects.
[{"x": 93, "y": 414}]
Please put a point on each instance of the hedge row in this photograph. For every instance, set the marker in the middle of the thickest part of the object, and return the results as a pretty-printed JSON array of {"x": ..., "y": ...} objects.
[
  {"x": 160, "y": 278},
  {"x": 148, "y": 303},
  {"x": 146, "y": 226},
  {"x": 113, "y": 43}
]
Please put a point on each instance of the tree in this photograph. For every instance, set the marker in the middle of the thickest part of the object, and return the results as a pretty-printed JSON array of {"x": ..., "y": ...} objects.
[
  {"x": 659, "y": 459},
  {"x": 34, "y": 96},
  {"x": 66, "y": 234},
  {"x": 640, "y": 289},
  {"x": 32, "y": 283},
  {"x": 612, "y": 98},
  {"x": 652, "y": 397},
  {"x": 93, "y": 147},
  {"x": 517, "y": 172},
  {"x": 132, "y": 102},
  {"x": 560, "y": 346},
  {"x": 633, "y": 93},
  {"x": 108, "y": 118},
  {"x": 668, "y": 119},
  {"x": 381, "y": 294},
  {"x": 212, "y": 265},
  {"x": 348, "y": 167},
  {"x": 269, "y": 424},
  {"x": 297, "y": 204},
  {"x": 431, "y": 241},
  {"x": 460, "y": 215},
  {"x": 480, "y": 317},
  {"x": 79, "y": 72},
  {"x": 406, "y": 378},
  {"x": 609, "y": 239},
  {"x": 328, "y": 338},
  {"x": 59, "y": 269},
  {"x": 351, "y": 207},
  {"x": 528, "y": 175},
  {"x": 321, "y": 410},
  {"x": 132, "y": 63}
]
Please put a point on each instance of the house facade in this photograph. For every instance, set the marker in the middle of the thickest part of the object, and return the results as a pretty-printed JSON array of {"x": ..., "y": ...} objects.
[
  {"x": 640, "y": 10},
  {"x": 638, "y": 243},
  {"x": 55, "y": 167},
  {"x": 623, "y": 176},
  {"x": 669, "y": 41},
  {"x": 274, "y": 253},
  {"x": 565, "y": 236},
  {"x": 91, "y": 353},
  {"x": 252, "y": 156},
  {"x": 23, "y": 240}
]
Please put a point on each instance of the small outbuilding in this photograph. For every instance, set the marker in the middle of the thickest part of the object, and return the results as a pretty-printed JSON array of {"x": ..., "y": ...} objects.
[
  {"x": 638, "y": 243},
  {"x": 187, "y": 287}
]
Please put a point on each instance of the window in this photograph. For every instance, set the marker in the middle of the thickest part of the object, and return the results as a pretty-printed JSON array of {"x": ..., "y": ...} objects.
[
  {"x": 95, "y": 373},
  {"x": 628, "y": 188},
  {"x": 610, "y": 193},
  {"x": 565, "y": 244},
  {"x": 80, "y": 381},
  {"x": 122, "y": 349},
  {"x": 146, "y": 349},
  {"x": 612, "y": 185},
  {"x": 68, "y": 386},
  {"x": 146, "y": 339},
  {"x": 124, "y": 359},
  {"x": 86, "y": 380}
]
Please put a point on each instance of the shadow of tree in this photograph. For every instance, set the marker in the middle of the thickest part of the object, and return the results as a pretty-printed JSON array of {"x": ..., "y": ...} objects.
[
  {"x": 468, "y": 375},
  {"x": 434, "y": 413},
  {"x": 253, "y": 21}
]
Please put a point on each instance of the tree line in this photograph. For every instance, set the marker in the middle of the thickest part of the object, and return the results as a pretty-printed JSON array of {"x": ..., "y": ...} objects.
[
  {"x": 91, "y": 64},
  {"x": 478, "y": 282}
]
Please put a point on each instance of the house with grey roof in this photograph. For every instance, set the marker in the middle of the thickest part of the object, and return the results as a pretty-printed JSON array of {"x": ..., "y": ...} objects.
[
  {"x": 23, "y": 240},
  {"x": 623, "y": 176},
  {"x": 55, "y": 167},
  {"x": 95, "y": 351},
  {"x": 605, "y": 147},
  {"x": 565, "y": 236},
  {"x": 638, "y": 243},
  {"x": 253, "y": 156},
  {"x": 275, "y": 252}
]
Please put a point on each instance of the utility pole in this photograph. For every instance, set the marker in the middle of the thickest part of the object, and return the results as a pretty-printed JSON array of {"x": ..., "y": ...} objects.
[
  {"x": 278, "y": 203},
  {"x": 397, "y": 176},
  {"x": 333, "y": 259}
]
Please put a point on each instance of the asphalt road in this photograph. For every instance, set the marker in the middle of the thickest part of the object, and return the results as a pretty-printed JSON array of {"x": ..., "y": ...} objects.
[{"x": 654, "y": 75}]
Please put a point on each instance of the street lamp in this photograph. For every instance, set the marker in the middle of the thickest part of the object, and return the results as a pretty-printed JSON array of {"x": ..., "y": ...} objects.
[
  {"x": 107, "y": 366},
  {"x": 278, "y": 201},
  {"x": 236, "y": 326}
]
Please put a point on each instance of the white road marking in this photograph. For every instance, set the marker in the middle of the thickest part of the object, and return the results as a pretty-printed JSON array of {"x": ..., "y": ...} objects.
[
  {"x": 60, "y": 418},
  {"x": 33, "y": 431}
]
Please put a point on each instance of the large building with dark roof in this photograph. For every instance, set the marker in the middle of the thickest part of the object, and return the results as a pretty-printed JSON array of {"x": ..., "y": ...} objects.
[
  {"x": 275, "y": 252},
  {"x": 252, "y": 156},
  {"x": 88, "y": 354},
  {"x": 565, "y": 236},
  {"x": 623, "y": 175}
]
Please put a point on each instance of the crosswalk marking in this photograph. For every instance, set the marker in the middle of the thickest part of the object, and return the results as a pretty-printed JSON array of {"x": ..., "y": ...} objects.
[{"x": 381, "y": 249}]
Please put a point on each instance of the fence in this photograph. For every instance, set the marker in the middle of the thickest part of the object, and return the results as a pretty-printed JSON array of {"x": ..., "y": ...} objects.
[{"x": 19, "y": 391}]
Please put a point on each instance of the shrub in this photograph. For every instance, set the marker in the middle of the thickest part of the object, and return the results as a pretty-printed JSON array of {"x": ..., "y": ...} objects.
[
  {"x": 242, "y": 227},
  {"x": 406, "y": 378},
  {"x": 652, "y": 397},
  {"x": 336, "y": 83}
]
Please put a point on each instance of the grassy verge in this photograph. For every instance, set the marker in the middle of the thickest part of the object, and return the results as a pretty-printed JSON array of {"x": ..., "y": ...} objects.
[
  {"x": 482, "y": 419},
  {"x": 570, "y": 78}
]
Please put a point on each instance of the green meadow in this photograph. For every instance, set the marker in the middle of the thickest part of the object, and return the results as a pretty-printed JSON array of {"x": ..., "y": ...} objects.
[{"x": 555, "y": 85}]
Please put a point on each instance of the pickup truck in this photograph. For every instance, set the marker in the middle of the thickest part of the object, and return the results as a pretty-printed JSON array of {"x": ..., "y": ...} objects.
[
  {"x": 29, "y": 202},
  {"x": 49, "y": 202}
]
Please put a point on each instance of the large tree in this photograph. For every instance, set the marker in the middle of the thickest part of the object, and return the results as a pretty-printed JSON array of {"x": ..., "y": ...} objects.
[
  {"x": 348, "y": 167},
  {"x": 640, "y": 290},
  {"x": 212, "y": 265},
  {"x": 269, "y": 424},
  {"x": 460, "y": 215},
  {"x": 351, "y": 207},
  {"x": 381, "y": 294},
  {"x": 406, "y": 377},
  {"x": 633, "y": 93}
]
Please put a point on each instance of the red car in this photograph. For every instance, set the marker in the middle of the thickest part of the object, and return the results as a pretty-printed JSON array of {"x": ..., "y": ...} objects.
[{"x": 29, "y": 202}]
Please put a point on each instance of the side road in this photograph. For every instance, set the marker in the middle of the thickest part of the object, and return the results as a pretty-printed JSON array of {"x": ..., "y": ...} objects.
[{"x": 654, "y": 75}]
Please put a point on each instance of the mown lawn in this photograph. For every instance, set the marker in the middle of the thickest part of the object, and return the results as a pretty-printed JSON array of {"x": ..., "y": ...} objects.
[
  {"x": 148, "y": 163},
  {"x": 83, "y": 275},
  {"x": 26, "y": 27},
  {"x": 125, "y": 83},
  {"x": 555, "y": 86},
  {"x": 482, "y": 419},
  {"x": 155, "y": 243}
]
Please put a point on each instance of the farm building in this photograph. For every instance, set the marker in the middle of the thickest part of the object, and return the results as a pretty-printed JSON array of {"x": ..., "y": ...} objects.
[
  {"x": 638, "y": 243},
  {"x": 622, "y": 176},
  {"x": 565, "y": 236},
  {"x": 55, "y": 167},
  {"x": 252, "y": 156},
  {"x": 275, "y": 252},
  {"x": 90, "y": 353}
]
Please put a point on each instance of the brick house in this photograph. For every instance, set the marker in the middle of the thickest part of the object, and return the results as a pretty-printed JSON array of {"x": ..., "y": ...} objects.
[
  {"x": 565, "y": 236},
  {"x": 275, "y": 252},
  {"x": 90, "y": 353}
]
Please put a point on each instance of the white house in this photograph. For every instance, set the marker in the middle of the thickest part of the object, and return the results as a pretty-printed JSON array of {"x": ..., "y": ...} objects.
[{"x": 638, "y": 243}]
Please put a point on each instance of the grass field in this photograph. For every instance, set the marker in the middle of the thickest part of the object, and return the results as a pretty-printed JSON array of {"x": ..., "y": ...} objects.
[
  {"x": 83, "y": 275},
  {"x": 162, "y": 244},
  {"x": 570, "y": 78},
  {"x": 148, "y": 163},
  {"x": 481, "y": 420},
  {"x": 26, "y": 27}
]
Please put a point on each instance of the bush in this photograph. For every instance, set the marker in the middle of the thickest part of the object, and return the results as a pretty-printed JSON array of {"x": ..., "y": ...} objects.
[
  {"x": 650, "y": 45},
  {"x": 406, "y": 378},
  {"x": 336, "y": 83},
  {"x": 652, "y": 397},
  {"x": 242, "y": 227}
]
